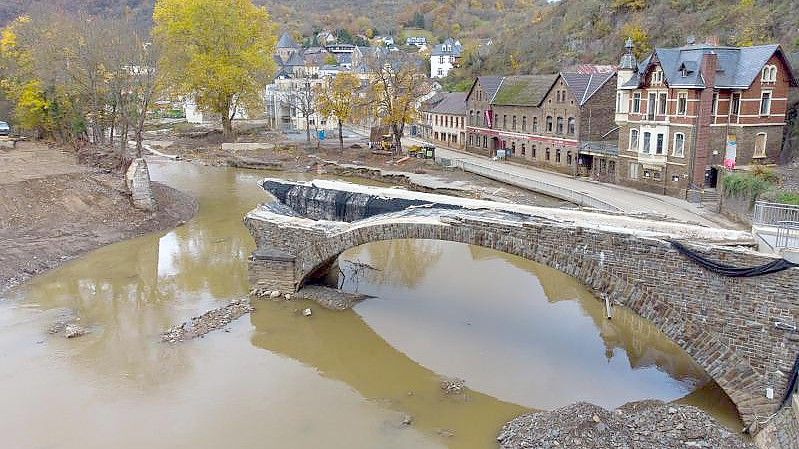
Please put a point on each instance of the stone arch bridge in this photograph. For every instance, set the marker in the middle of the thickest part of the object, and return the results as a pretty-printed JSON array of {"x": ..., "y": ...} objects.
[{"x": 740, "y": 330}]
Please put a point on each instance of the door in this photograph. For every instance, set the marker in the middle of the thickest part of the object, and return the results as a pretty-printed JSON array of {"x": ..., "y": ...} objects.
[{"x": 711, "y": 177}]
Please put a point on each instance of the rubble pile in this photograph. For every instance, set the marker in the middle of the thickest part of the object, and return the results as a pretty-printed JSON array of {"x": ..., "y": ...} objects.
[{"x": 207, "y": 322}]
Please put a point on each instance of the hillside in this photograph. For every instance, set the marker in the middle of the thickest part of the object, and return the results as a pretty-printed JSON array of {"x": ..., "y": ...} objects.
[{"x": 528, "y": 35}]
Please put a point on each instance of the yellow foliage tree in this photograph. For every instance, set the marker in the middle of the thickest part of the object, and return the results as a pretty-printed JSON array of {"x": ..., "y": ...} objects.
[
  {"x": 339, "y": 97},
  {"x": 641, "y": 43},
  {"x": 217, "y": 51}
]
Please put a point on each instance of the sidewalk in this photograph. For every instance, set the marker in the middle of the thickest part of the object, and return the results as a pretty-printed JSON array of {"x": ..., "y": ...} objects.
[{"x": 621, "y": 198}]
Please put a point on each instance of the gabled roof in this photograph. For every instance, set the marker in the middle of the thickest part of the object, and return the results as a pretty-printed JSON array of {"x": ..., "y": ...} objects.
[
  {"x": 295, "y": 60},
  {"x": 523, "y": 90},
  {"x": 489, "y": 83},
  {"x": 286, "y": 41},
  {"x": 583, "y": 85},
  {"x": 737, "y": 67},
  {"x": 451, "y": 103},
  {"x": 454, "y": 48}
]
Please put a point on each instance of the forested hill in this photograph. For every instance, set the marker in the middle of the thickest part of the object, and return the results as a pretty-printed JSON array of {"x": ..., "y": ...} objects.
[{"x": 527, "y": 35}]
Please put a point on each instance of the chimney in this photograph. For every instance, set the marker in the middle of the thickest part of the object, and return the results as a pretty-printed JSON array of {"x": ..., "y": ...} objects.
[{"x": 704, "y": 118}]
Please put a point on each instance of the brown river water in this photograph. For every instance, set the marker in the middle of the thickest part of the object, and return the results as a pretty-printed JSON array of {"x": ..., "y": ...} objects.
[{"x": 519, "y": 334}]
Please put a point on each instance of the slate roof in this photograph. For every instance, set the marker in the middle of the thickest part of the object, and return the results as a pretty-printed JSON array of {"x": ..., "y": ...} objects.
[
  {"x": 523, "y": 90},
  {"x": 286, "y": 41},
  {"x": 344, "y": 58},
  {"x": 295, "y": 60},
  {"x": 737, "y": 66},
  {"x": 455, "y": 48},
  {"x": 490, "y": 84},
  {"x": 584, "y": 85},
  {"x": 453, "y": 103}
]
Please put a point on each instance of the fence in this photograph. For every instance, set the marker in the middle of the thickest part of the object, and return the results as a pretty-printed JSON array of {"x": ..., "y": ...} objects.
[
  {"x": 771, "y": 214},
  {"x": 526, "y": 182},
  {"x": 787, "y": 234}
]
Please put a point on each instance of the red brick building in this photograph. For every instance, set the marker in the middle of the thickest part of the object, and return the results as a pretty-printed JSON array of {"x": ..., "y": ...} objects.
[{"x": 684, "y": 113}]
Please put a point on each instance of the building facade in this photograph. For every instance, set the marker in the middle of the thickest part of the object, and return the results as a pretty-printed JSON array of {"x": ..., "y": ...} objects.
[
  {"x": 546, "y": 120},
  {"x": 685, "y": 113},
  {"x": 444, "y": 57},
  {"x": 444, "y": 120}
]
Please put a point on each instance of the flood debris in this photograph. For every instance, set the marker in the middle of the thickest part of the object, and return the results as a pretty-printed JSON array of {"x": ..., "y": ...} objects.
[
  {"x": 67, "y": 325},
  {"x": 330, "y": 298},
  {"x": 452, "y": 385},
  {"x": 307, "y": 312},
  {"x": 209, "y": 321},
  {"x": 73, "y": 331},
  {"x": 636, "y": 425}
]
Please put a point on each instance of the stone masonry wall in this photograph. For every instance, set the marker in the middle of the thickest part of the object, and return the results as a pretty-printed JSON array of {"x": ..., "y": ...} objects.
[
  {"x": 138, "y": 181},
  {"x": 726, "y": 324}
]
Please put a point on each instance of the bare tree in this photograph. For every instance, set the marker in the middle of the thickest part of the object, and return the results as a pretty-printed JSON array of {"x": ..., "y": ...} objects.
[{"x": 304, "y": 99}]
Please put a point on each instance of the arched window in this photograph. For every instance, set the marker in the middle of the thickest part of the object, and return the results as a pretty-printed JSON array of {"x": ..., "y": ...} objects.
[
  {"x": 513, "y": 123},
  {"x": 633, "y": 144},
  {"x": 569, "y": 157},
  {"x": 572, "y": 126},
  {"x": 557, "y": 156},
  {"x": 760, "y": 145},
  {"x": 547, "y": 154},
  {"x": 769, "y": 74},
  {"x": 549, "y": 123},
  {"x": 678, "y": 148},
  {"x": 524, "y": 123},
  {"x": 532, "y": 151},
  {"x": 560, "y": 125}
]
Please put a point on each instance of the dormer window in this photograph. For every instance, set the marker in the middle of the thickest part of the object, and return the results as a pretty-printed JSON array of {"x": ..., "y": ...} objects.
[
  {"x": 769, "y": 74},
  {"x": 683, "y": 72},
  {"x": 657, "y": 77}
]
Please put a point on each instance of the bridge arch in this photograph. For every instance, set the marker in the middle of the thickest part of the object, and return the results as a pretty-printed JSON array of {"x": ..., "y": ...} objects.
[{"x": 571, "y": 258}]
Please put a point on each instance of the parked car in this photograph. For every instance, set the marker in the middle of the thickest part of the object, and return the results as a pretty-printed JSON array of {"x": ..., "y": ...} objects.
[{"x": 4, "y": 129}]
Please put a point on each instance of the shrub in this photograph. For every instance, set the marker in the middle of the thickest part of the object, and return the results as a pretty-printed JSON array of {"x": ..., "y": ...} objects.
[
  {"x": 746, "y": 184},
  {"x": 788, "y": 198}
]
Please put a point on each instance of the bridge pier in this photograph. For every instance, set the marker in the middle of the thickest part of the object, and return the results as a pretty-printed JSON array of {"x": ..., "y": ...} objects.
[{"x": 272, "y": 269}]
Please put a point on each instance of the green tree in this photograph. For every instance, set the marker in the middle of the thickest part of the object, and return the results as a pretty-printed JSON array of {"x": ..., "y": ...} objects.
[{"x": 216, "y": 51}]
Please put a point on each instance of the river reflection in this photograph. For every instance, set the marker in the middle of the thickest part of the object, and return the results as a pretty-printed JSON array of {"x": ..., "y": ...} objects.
[{"x": 277, "y": 379}]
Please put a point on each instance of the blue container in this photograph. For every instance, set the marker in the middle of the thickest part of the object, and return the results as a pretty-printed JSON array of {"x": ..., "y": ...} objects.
[{"x": 321, "y": 134}]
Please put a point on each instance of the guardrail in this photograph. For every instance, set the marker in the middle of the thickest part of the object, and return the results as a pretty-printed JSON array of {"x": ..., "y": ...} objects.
[
  {"x": 787, "y": 234},
  {"x": 771, "y": 214},
  {"x": 580, "y": 198}
]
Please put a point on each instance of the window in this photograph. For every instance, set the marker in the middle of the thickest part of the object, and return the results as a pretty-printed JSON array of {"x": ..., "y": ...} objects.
[
  {"x": 485, "y": 142},
  {"x": 436, "y": 120},
  {"x": 558, "y": 95},
  {"x": 735, "y": 103},
  {"x": 765, "y": 103},
  {"x": 569, "y": 157},
  {"x": 560, "y": 125},
  {"x": 714, "y": 107},
  {"x": 523, "y": 150},
  {"x": 659, "y": 144},
  {"x": 619, "y": 97},
  {"x": 769, "y": 74},
  {"x": 557, "y": 156},
  {"x": 513, "y": 148},
  {"x": 504, "y": 121},
  {"x": 657, "y": 77},
  {"x": 662, "y": 103},
  {"x": 535, "y": 124},
  {"x": 656, "y": 176},
  {"x": 760, "y": 145},
  {"x": 633, "y": 170},
  {"x": 513, "y": 123},
  {"x": 524, "y": 123},
  {"x": 678, "y": 148},
  {"x": 440, "y": 71},
  {"x": 682, "y": 103},
  {"x": 647, "y": 138},
  {"x": 440, "y": 59},
  {"x": 651, "y": 106},
  {"x": 471, "y": 140},
  {"x": 532, "y": 151},
  {"x": 633, "y": 140},
  {"x": 572, "y": 126},
  {"x": 547, "y": 154},
  {"x": 637, "y": 102},
  {"x": 549, "y": 123}
]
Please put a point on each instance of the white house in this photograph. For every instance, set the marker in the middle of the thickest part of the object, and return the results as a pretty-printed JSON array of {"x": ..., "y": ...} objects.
[
  {"x": 417, "y": 41},
  {"x": 444, "y": 57}
]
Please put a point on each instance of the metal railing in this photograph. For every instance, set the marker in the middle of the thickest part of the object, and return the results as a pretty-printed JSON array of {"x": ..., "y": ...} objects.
[
  {"x": 771, "y": 214},
  {"x": 787, "y": 234},
  {"x": 526, "y": 182}
]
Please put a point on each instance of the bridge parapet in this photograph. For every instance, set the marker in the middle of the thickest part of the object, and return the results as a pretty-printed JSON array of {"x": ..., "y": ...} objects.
[{"x": 728, "y": 325}]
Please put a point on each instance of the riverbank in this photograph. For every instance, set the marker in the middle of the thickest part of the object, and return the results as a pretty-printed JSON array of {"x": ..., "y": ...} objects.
[{"x": 53, "y": 209}]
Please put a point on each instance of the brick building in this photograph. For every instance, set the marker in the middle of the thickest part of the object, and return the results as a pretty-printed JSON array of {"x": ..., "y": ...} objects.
[
  {"x": 684, "y": 113},
  {"x": 444, "y": 119},
  {"x": 558, "y": 121}
]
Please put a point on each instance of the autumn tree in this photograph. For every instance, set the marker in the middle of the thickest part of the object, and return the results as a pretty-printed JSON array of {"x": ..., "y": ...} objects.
[
  {"x": 340, "y": 97},
  {"x": 397, "y": 85},
  {"x": 304, "y": 99},
  {"x": 216, "y": 51}
]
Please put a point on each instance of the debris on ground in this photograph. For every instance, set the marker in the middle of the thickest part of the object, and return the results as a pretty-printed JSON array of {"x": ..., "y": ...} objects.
[
  {"x": 73, "y": 330},
  {"x": 636, "y": 425},
  {"x": 207, "y": 322},
  {"x": 307, "y": 312},
  {"x": 452, "y": 385}
]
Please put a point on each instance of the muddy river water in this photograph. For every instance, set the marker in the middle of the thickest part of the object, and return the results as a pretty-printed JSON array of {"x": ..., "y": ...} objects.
[{"x": 519, "y": 334}]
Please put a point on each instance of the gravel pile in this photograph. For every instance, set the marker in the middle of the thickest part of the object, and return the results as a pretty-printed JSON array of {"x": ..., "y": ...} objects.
[
  {"x": 636, "y": 425},
  {"x": 207, "y": 322}
]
